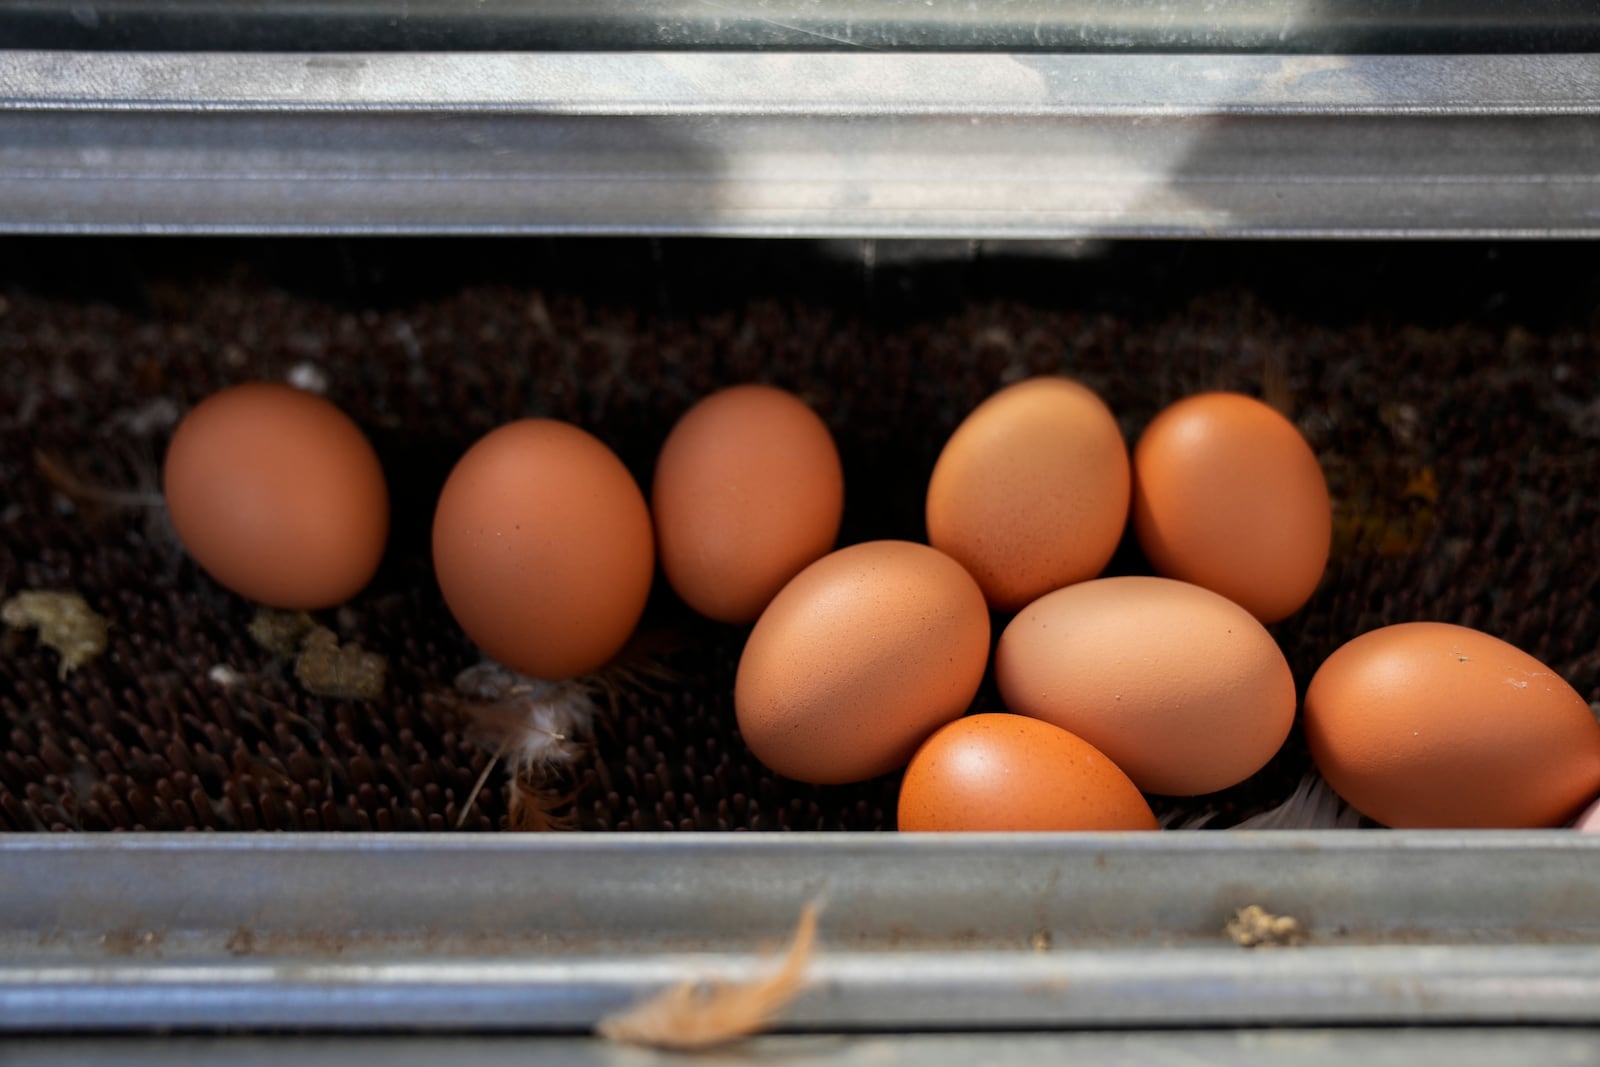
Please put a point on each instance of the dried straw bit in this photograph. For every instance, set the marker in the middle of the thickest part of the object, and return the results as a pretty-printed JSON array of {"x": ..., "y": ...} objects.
[
  {"x": 1256, "y": 927},
  {"x": 323, "y": 666},
  {"x": 326, "y": 668},
  {"x": 281, "y": 632},
  {"x": 65, "y": 623},
  {"x": 696, "y": 1015}
]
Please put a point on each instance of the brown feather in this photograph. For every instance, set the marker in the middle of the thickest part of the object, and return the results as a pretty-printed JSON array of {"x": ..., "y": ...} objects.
[{"x": 697, "y": 1015}]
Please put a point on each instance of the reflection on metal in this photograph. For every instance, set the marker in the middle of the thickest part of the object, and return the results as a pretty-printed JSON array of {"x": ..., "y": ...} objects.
[
  {"x": 804, "y": 86},
  {"x": 1422, "y": 1047},
  {"x": 918, "y": 932},
  {"x": 1327, "y": 26},
  {"x": 796, "y": 144},
  {"x": 859, "y": 145}
]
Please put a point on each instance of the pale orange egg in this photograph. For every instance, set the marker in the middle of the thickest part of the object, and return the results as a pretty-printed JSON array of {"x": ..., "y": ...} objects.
[
  {"x": 1011, "y": 773},
  {"x": 1031, "y": 491},
  {"x": 858, "y": 659},
  {"x": 1426, "y": 724},
  {"x": 1182, "y": 688}
]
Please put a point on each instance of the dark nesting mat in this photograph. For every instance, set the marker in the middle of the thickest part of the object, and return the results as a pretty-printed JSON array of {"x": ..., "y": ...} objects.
[{"x": 1451, "y": 394}]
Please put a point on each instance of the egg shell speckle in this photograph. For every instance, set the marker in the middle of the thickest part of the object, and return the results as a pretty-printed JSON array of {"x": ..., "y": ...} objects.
[
  {"x": 858, "y": 659},
  {"x": 996, "y": 772},
  {"x": 1182, "y": 688},
  {"x": 1431, "y": 725}
]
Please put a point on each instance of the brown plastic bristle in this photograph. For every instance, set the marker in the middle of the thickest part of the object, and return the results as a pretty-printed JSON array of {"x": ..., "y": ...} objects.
[{"x": 1463, "y": 451}]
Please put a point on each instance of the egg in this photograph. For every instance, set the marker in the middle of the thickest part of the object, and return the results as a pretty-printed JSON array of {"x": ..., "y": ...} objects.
[
  {"x": 1009, "y": 773},
  {"x": 858, "y": 659},
  {"x": 1589, "y": 821},
  {"x": 748, "y": 490},
  {"x": 277, "y": 495},
  {"x": 543, "y": 549},
  {"x": 1180, "y": 687},
  {"x": 1427, "y": 724},
  {"x": 1031, "y": 491},
  {"x": 1227, "y": 494}
]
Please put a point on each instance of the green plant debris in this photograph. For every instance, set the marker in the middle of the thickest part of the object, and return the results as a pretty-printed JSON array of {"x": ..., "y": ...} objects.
[
  {"x": 281, "y": 632},
  {"x": 65, "y": 623},
  {"x": 329, "y": 669}
]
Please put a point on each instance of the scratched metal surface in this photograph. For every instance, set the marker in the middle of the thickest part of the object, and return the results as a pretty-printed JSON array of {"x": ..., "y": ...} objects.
[
  {"x": 830, "y": 144},
  {"x": 986, "y": 932},
  {"x": 1394, "y": 1047},
  {"x": 1009, "y": 25}
]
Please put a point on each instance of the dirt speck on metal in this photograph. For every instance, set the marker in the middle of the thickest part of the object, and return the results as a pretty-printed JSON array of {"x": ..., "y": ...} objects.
[
  {"x": 1255, "y": 927},
  {"x": 130, "y": 941},
  {"x": 242, "y": 942}
]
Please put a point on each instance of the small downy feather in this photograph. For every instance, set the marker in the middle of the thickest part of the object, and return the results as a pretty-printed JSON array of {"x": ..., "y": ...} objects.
[
  {"x": 135, "y": 486},
  {"x": 86, "y": 493},
  {"x": 698, "y": 1015},
  {"x": 1312, "y": 806},
  {"x": 537, "y": 729}
]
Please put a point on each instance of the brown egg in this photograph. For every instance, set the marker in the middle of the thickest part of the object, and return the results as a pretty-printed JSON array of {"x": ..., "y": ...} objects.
[
  {"x": 1031, "y": 491},
  {"x": 858, "y": 659},
  {"x": 276, "y": 493},
  {"x": 748, "y": 490},
  {"x": 543, "y": 549},
  {"x": 1426, "y": 724},
  {"x": 1181, "y": 688},
  {"x": 1227, "y": 494},
  {"x": 1009, "y": 773}
]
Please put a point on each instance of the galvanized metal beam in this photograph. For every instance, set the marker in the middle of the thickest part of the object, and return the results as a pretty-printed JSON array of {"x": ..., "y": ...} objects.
[
  {"x": 1424, "y": 1047},
  {"x": 919, "y": 933},
  {"x": 1348, "y": 26},
  {"x": 811, "y": 144}
]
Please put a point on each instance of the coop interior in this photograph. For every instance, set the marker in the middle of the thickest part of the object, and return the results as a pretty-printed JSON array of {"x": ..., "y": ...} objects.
[{"x": 1448, "y": 391}]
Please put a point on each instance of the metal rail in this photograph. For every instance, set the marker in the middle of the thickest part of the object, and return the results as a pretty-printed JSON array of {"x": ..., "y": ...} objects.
[
  {"x": 919, "y": 933},
  {"x": 801, "y": 144},
  {"x": 1341, "y": 26}
]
